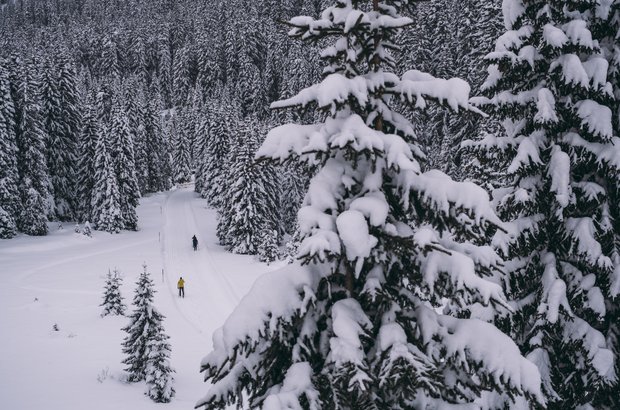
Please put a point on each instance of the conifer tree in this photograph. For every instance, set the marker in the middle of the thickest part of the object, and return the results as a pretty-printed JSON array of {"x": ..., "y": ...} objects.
[
  {"x": 182, "y": 149},
  {"x": 549, "y": 83},
  {"x": 106, "y": 211},
  {"x": 217, "y": 149},
  {"x": 124, "y": 165},
  {"x": 86, "y": 161},
  {"x": 156, "y": 148},
  {"x": 181, "y": 76},
  {"x": 143, "y": 332},
  {"x": 65, "y": 182},
  {"x": 61, "y": 119},
  {"x": 112, "y": 299},
  {"x": 9, "y": 194},
  {"x": 242, "y": 214},
  {"x": 200, "y": 160},
  {"x": 383, "y": 245},
  {"x": 109, "y": 64},
  {"x": 609, "y": 26},
  {"x": 34, "y": 181},
  {"x": 51, "y": 118},
  {"x": 135, "y": 108}
]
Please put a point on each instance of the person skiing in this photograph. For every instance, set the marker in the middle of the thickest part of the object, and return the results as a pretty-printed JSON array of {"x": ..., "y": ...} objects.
[
  {"x": 195, "y": 242},
  {"x": 181, "y": 286}
]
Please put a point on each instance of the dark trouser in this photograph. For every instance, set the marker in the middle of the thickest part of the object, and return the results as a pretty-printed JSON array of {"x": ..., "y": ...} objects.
[
  {"x": 181, "y": 292},
  {"x": 195, "y": 246}
]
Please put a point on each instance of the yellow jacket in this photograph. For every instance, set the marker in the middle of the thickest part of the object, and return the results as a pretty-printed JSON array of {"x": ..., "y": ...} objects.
[{"x": 180, "y": 283}]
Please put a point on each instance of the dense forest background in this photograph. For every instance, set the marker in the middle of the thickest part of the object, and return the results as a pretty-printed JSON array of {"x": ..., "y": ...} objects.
[{"x": 104, "y": 101}]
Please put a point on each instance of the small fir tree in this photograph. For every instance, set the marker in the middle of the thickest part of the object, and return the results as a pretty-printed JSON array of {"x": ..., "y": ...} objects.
[
  {"x": 112, "y": 298},
  {"x": 144, "y": 328}
]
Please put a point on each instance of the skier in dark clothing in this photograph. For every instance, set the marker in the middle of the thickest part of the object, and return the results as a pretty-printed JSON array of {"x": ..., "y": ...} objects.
[{"x": 195, "y": 242}]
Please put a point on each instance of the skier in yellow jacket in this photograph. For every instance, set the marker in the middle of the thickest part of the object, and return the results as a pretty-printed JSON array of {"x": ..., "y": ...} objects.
[{"x": 181, "y": 286}]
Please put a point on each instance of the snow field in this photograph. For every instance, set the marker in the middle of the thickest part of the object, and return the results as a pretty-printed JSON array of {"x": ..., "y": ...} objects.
[{"x": 59, "y": 279}]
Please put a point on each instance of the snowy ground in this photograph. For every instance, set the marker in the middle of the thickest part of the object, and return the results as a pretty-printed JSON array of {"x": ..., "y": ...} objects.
[{"x": 59, "y": 279}]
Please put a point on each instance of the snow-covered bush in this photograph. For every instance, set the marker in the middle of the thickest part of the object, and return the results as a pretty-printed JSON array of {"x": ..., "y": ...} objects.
[
  {"x": 384, "y": 245},
  {"x": 87, "y": 231}
]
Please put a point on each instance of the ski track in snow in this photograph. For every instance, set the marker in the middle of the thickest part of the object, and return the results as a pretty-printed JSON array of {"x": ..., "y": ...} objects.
[{"x": 203, "y": 287}]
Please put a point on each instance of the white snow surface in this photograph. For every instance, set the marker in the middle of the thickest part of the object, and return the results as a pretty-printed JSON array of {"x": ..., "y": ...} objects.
[{"x": 59, "y": 279}]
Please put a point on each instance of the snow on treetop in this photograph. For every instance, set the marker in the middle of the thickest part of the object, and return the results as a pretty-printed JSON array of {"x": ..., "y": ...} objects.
[
  {"x": 455, "y": 92},
  {"x": 578, "y": 33},
  {"x": 353, "y": 231},
  {"x": 608, "y": 153},
  {"x": 597, "y": 67},
  {"x": 596, "y": 118},
  {"x": 349, "y": 17},
  {"x": 554, "y": 36},
  {"x": 349, "y": 322},
  {"x": 351, "y": 131},
  {"x": 462, "y": 275},
  {"x": 285, "y": 287},
  {"x": 297, "y": 382},
  {"x": 583, "y": 232},
  {"x": 481, "y": 342},
  {"x": 414, "y": 87},
  {"x": 512, "y": 10},
  {"x": 512, "y": 39},
  {"x": 601, "y": 358},
  {"x": 559, "y": 172},
  {"x": 442, "y": 192}
]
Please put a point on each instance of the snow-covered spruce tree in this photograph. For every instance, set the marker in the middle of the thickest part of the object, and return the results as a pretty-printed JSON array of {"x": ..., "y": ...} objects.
[
  {"x": 548, "y": 82},
  {"x": 86, "y": 161},
  {"x": 34, "y": 181},
  {"x": 156, "y": 147},
  {"x": 158, "y": 372},
  {"x": 134, "y": 107},
  {"x": 144, "y": 320},
  {"x": 384, "y": 246},
  {"x": 124, "y": 165},
  {"x": 182, "y": 149},
  {"x": 224, "y": 119},
  {"x": 181, "y": 76},
  {"x": 105, "y": 202},
  {"x": 146, "y": 344},
  {"x": 245, "y": 213},
  {"x": 61, "y": 115},
  {"x": 112, "y": 298},
  {"x": 9, "y": 194},
  {"x": 609, "y": 28},
  {"x": 200, "y": 159}
]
